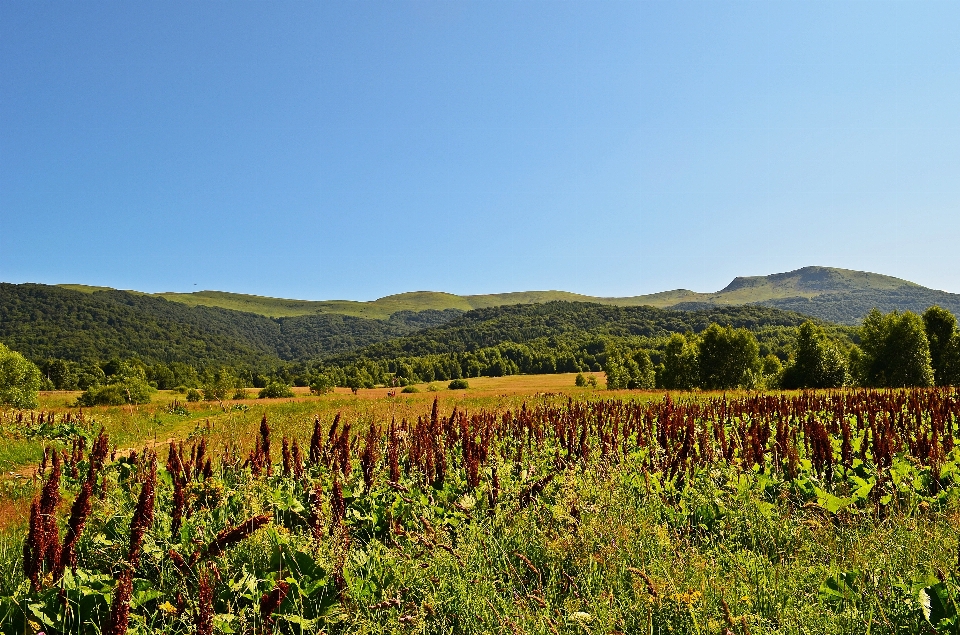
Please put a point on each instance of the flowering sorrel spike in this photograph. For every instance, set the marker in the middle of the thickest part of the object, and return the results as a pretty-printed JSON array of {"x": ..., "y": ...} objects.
[
  {"x": 234, "y": 535},
  {"x": 143, "y": 516},
  {"x": 120, "y": 609},
  {"x": 272, "y": 600}
]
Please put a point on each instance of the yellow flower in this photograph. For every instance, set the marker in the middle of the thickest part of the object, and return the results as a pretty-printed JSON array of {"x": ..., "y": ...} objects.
[{"x": 168, "y": 608}]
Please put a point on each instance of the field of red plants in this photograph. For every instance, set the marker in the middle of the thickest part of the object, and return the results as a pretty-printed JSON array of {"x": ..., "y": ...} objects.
[{"x": 812, "y": 512}]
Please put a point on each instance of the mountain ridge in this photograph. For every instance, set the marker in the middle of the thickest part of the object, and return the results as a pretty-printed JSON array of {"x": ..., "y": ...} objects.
[{"x": 830, "y": 293}]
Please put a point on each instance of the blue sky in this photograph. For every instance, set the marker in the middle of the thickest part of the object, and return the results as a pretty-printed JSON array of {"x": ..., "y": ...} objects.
[{"x": 354, "y": 150}]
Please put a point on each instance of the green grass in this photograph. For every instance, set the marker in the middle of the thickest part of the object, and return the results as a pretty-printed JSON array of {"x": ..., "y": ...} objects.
[
  {"x": 84, "y": 288},
  {"x": 807, "y": 282},
  {"x": 610, "y": 545}
]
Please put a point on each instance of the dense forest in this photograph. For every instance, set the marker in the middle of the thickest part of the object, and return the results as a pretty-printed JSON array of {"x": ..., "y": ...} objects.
[
  {"x": 45, "y": 322},
  {"x": 850, "y": 307},
  {"x": 92, "y": 341},
  {"x": 559, "y": 322}
]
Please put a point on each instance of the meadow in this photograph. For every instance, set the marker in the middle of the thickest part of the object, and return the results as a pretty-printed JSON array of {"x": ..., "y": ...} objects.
[{"x": 523, "y": 504}]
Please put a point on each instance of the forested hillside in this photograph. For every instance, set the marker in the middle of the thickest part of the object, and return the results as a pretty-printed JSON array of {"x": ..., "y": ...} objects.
[
  {"x": 836, "y": 295},
  {"x": 570, "y": 324},
  {"x": 849, "y": 307},
  {"x": 44, "y": 322}
]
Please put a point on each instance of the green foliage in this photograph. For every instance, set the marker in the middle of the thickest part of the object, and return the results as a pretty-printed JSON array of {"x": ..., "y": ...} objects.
[
  {"x": 817, "y": 363},
  {"x": 128, "y": 391},
  {"x": 729, "y": 358},
  {"x": 580, "y": 381},
  {"x": 275, "y": 390},
  {"x": 321, "y": 384},
  {"x": 126, "y": 384},
  {"x": 681, "y": 364},
  {"x": 772, "y": 371},
  {"x": 458, "y": 384},
  {"x": 20, "y": 380},
  {"x": 218, "y": 384},
  {"x": 410, "y": 389},
  {"x": 48, "y": 322},
  {"x": 895, "y": 351},
  {"x": 944, "y": 340},
  {"x": 578, "y": 532},
  {"x": 630, "y": 371},
  {"x": 193, "y": 395}
]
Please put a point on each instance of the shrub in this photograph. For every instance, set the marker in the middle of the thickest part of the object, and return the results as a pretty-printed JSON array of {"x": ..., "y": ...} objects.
[
  {"x": 275, "y": 390},
  {"x": 410, "y": 389},
  {"x": 219, "y": 384},
  {"x": 458, "y": 384},
  {"x": 20, "y": 380},
  {"x": 194, "y": 395},
  {"x": 321, "y": 385},
  {"x": 127, "y": 391},
  {"x": 240, "y": 393},
  {"x": 581, "y": 381}
]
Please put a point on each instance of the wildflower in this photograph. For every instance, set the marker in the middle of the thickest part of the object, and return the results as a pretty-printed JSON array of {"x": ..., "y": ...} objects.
[
  {"x": 120, "y": 610},
  {"x": 581, "y": 617},
  {"x": 204, "y": 621},
  {"x": 143, "y": 516},
  {"x": 78, "y": 519},
  {"x": 286, "y": 457},
  {"x": 233, "y": 535},
  {"x": 265, "y": 444},
  {"x": 272, "y": 600},
  {"x": 338, "y": 507}
]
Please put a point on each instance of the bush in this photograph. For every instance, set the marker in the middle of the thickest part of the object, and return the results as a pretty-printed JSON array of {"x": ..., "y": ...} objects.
[
  {"x": 458, "y": 384},
  {"x": 321, "y": 385},
  {"x": 240, "y": 393},
  {"x": 181, "y": 389},
  {"x": 127, "y": 391},
  {"x": 276, "y": 390},
  {"x": 194, "y": 395},
  {"x": 20, "y": 380},
  {"x": 581, "y": 381},
  {"x": 410, "y": 389}
]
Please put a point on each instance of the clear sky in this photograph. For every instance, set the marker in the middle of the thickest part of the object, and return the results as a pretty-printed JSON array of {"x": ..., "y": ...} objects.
[{"x": 354, "y": 150}]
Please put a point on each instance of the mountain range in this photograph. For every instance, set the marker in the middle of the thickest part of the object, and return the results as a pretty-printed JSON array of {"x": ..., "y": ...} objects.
[
  {"x": 842, "y": 296},
  {"x": 212, "y": 327}
]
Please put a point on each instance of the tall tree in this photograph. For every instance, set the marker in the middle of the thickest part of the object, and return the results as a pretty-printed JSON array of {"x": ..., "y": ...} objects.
[
  {"x": 941, "y": 329},
  {"x": 681, "y": 365},
  {"x": 729, "y": 358},
  {"x": 817, "y": 363},
  {"x": 895, "y": 351}
]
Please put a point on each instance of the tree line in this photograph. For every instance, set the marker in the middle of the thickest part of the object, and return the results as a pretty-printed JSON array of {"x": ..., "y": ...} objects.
[{"x": 888, "y": 350}]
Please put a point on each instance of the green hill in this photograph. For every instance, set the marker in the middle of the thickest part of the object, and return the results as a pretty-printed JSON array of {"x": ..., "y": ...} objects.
[
  {"x": 552, "y": 322},
  {"x": 43, "y": 322},
  {"x": 835, "y": 295},
  {"x": 839, "y": 295}
]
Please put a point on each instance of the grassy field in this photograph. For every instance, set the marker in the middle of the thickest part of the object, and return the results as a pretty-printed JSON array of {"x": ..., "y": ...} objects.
[{"x": 523, "y": 504}]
